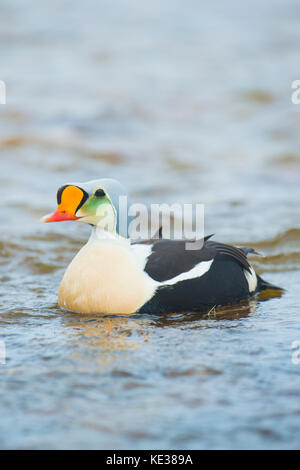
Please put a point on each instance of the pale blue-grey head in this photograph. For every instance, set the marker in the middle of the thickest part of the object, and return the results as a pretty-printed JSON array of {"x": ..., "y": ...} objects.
[{"x": 102, "y": 202}]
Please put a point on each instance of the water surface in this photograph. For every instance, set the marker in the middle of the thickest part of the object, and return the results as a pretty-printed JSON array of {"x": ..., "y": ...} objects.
[{"x": 182, "y": 102}]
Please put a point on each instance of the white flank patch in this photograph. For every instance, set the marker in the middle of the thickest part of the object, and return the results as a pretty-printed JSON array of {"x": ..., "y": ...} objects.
[
  {"x": 251, "y": 279},
  {"x": 197, "y": 271},
  {"x": 141, "y": 253}
]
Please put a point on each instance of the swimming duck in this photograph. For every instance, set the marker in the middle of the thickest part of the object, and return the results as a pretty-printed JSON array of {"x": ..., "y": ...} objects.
[{"x": 112, "y": 274}]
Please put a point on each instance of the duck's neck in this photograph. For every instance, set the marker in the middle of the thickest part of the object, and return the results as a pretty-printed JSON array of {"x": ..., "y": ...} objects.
[{"x": 98, "y": 234}]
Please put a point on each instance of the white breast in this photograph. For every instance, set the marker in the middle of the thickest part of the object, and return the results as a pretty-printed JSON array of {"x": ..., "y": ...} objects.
[{"x": 105, "y": 278}]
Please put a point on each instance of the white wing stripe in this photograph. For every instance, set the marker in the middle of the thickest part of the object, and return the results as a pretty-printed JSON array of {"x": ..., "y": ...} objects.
[{"x": 197, "y": 271}]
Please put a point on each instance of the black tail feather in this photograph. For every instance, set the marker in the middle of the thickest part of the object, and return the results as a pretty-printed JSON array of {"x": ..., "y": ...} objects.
[{"x": 264, "y": 285}]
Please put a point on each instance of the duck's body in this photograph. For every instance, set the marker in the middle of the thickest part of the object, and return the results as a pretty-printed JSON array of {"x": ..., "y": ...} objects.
[{"x": 113, "y": 275}]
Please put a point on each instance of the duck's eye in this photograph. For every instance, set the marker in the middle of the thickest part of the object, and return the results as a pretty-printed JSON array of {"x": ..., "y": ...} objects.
[{"x": 99, "y": 193}]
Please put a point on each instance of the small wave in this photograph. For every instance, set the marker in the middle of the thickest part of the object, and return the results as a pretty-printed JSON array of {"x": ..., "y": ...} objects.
[
  {"x": 288, "y": 238},
  {"x": 280, "y": 253},
  {"x": 112, "y": 157},
  {"x": 280, "y": 262}
]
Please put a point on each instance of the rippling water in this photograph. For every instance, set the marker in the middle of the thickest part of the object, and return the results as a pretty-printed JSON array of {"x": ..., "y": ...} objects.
[{"x": 181, "y": 101}]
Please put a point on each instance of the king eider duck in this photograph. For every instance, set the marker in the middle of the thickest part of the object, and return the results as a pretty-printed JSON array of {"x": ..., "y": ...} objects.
[{"x": 113, "y": 275}]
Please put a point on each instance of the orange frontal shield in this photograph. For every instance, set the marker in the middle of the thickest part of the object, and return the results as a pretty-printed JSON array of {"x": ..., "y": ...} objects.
[{"x": 69, "y": 200}]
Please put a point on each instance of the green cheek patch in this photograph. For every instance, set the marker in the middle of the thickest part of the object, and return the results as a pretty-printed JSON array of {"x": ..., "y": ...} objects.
[{"x": 93, "y": 205}]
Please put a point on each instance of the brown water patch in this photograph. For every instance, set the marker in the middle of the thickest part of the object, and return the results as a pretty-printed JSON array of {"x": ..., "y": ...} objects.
[
  {"x": 9, "y": 249},
  {"x": 181, "y": 164},
  {"x": 258, "y": 96},
  {"x": 38, "y": 267},
  {"x": 54, "y": 237},
  {"x": 113, "y": 158},
  {"x": 280, "y": 134},
  {"x": 174, "y": 372},
  {"x": 286, "y": 159},
  {"x": 121, "y": 373},
  {"x": 131, "y": 385},
  {"x": 15, "y": 115},
  {"x": 279, "y": 262},
  {"x": 140, "y": 435},
  {"x": 290, "y": 237},
  {"x": 16, "y": 141}
]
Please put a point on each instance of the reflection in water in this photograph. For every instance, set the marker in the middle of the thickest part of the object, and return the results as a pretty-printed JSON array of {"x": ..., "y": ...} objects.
[
  {"x": 188, "y": 319},
  {"x": 101, "y": 337},
  {"x": 112, "y": 332},
  {"x": 106, "y": 333}
]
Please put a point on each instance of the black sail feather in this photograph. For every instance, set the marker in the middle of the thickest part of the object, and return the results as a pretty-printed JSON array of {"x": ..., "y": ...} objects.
[
  {"x": 236, "y": 253},
  {"x": 169, "y": 258}
]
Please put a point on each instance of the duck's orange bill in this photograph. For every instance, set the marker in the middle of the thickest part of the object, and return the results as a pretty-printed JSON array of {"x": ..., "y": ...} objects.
[
  {"x": 57, "y": 216},
  {"x": 68, "y": 203}
]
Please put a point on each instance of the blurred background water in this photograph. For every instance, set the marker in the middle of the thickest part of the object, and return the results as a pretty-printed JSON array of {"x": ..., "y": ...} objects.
[{"x": 182, "y": 102}]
